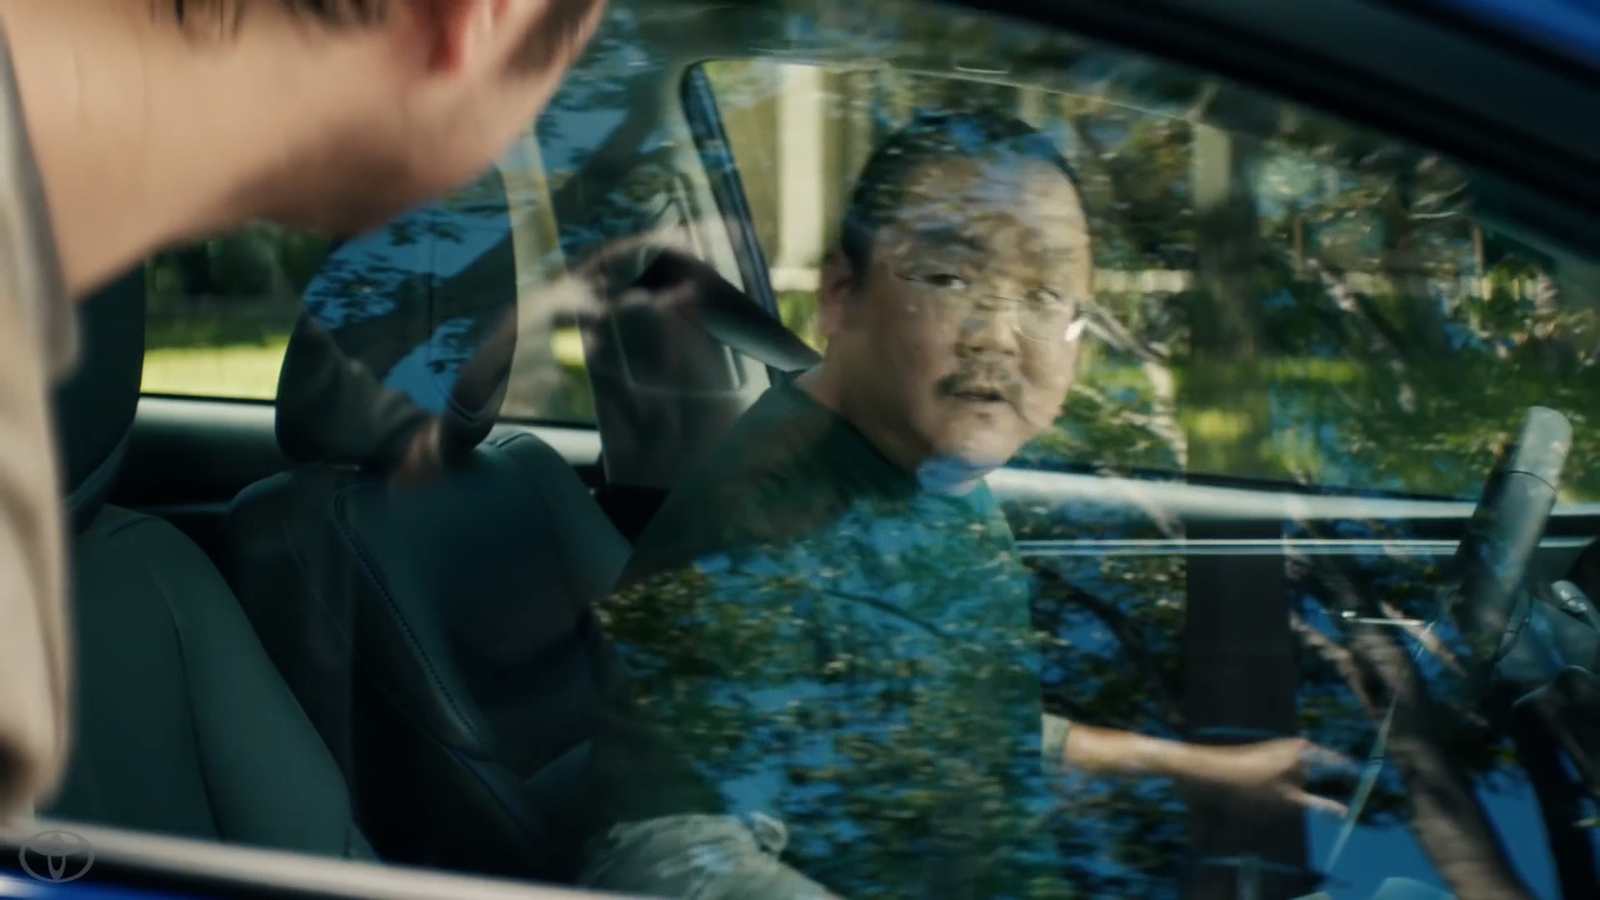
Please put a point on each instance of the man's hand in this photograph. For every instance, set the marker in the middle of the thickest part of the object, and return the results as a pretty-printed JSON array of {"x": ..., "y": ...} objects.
[{"x": 1270, "y": 770}]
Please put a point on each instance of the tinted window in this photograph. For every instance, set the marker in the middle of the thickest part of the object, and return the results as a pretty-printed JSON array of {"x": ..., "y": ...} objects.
[
  {"x": 220, "y": 312},
  {"x": 1284, "y": 296},
  {"x": 1113, "y": 548}
]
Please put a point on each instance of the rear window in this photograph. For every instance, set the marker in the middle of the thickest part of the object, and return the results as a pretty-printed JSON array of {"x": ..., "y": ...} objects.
[{"x": 220, "y": 312}]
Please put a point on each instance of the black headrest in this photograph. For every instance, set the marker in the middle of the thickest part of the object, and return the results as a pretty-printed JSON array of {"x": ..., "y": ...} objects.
[
  {"x": 414, "y": 320},
  {"x": 96, "y": 405}
]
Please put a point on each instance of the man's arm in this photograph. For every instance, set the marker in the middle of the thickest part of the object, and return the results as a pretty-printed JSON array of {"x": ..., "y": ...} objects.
[{"x": 1270, "y": 768}]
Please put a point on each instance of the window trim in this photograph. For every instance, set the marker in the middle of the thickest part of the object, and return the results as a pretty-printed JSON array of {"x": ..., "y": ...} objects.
[
  {"x": 705, "y": 124},
  {"x": 1526, "y": 121}
]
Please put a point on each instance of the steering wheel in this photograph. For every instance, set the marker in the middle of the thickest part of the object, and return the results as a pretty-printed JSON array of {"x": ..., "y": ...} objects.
[
  {"x": 1491, "y": 562},
  {"x": 1492, "y": 603}
]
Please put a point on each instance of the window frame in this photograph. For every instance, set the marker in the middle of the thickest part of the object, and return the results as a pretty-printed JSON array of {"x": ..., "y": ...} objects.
[
  {"x": 1421, "y": 78},
  {"x": 727, "y": 186},
  {"x": 1268, "y": 45}
]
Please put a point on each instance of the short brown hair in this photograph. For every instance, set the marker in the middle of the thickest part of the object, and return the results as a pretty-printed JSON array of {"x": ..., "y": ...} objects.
[
  {"x": 230, "y": 12},
  {"x": 551, "y": 37}
]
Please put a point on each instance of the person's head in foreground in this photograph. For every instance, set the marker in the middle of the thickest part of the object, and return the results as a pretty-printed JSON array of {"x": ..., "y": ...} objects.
[
  {"x": 953, "y": 304},
  {"x": 158, "y": 122},
  {"x": 162, "y": 121}
]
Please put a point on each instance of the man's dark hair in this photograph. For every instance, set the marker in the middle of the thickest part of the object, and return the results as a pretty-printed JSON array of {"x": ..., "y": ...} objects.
[
  {"x": 338, "y": 10},
  {"x": 879, "y": 190},
  {"x": 552, "y": 36},
  {"x": 333, "y": 12}
]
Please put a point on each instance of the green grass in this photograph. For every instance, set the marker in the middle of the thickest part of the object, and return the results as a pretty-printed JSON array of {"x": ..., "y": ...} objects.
[
  {"x": 235, "y": 371},
  {"x": 249, "y": 370},
  {"x": 567, "y": 344}
]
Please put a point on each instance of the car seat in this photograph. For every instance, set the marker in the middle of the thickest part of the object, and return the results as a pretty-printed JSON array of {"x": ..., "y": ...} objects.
[
  {"x": 182, "y": 725},
  {"x": 439, "y": 633}
]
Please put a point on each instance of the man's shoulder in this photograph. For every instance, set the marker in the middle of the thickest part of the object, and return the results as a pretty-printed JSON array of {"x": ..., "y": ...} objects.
[
  {"x": 741, "y": 492},
  {"x": 783, "y": 445},
  {"x": 780, "y": 472}
]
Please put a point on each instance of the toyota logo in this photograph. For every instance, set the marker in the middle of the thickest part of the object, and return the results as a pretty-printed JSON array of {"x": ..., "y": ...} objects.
[{"x": 56, "y": 856}]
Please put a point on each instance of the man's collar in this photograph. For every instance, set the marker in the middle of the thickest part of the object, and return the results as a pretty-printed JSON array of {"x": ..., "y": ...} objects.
[{"x": 947, "y": 475}]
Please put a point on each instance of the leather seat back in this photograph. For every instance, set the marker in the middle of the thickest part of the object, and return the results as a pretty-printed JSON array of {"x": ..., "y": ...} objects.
[
  {"x": 439, "y": 630},
  {"x": 181, "y": 724}
]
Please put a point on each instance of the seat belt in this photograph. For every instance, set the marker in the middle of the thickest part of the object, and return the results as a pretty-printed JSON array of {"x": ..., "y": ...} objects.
[{"x": 725, "y": 312}]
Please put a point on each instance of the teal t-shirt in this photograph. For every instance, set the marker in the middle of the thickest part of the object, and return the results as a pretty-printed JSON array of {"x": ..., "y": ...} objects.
[{"x": 828, "y": 644}]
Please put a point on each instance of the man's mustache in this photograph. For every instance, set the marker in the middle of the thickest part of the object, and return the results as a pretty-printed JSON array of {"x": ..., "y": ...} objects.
[
  {"x": 1000, "y": 381},
  {"x": 980, "y": 380}
]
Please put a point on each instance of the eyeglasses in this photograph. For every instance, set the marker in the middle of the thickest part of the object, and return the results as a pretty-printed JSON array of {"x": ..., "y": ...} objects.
[{"x": 1044, "y": 315}]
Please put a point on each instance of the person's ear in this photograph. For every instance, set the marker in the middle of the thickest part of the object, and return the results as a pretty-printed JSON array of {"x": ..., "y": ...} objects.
[
  {"x": 835, "y": 292},
  {"x": 476, "y": 35}
]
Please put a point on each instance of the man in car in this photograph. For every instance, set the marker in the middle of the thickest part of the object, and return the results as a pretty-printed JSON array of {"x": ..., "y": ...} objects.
[
  {"x": 829, "y": 619},
  {"x": 155, "y": 123}
]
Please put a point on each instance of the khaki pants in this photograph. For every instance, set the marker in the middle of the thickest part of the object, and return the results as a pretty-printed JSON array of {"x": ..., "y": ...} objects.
[{"x": 697, "y": 858}]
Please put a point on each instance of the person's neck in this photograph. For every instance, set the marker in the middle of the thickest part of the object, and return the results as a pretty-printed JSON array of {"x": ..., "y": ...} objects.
[
  {"x": 825, "y": 385},
  {"x": 145, "y": 137},
  {"x": 935, "y": 473}
]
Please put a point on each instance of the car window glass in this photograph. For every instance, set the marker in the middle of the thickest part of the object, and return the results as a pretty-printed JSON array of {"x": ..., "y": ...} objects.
[
  {"x": 1383, "y": 287},
  {"x": 1157, "y": 488},
  {"x": 1284, "y": 306},
  {"x": 220, "y": 312},
  {"x": 549, "y": 381}
]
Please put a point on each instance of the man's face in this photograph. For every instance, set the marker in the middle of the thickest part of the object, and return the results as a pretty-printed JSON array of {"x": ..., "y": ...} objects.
[
  {"x": 960, "y": 341},
  {"x": 425, "y": 101}
]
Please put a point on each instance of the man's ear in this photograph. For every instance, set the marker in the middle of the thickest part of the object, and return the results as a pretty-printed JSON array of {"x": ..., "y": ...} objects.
[
  {"x": 834, "y": 294},
  {"x": 475, "y": 35}
]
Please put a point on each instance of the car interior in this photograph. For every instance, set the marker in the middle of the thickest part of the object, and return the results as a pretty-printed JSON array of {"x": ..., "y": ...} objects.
[
  {"x": 285, "y": 641},
  {"x": 185, "y": 726}
]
